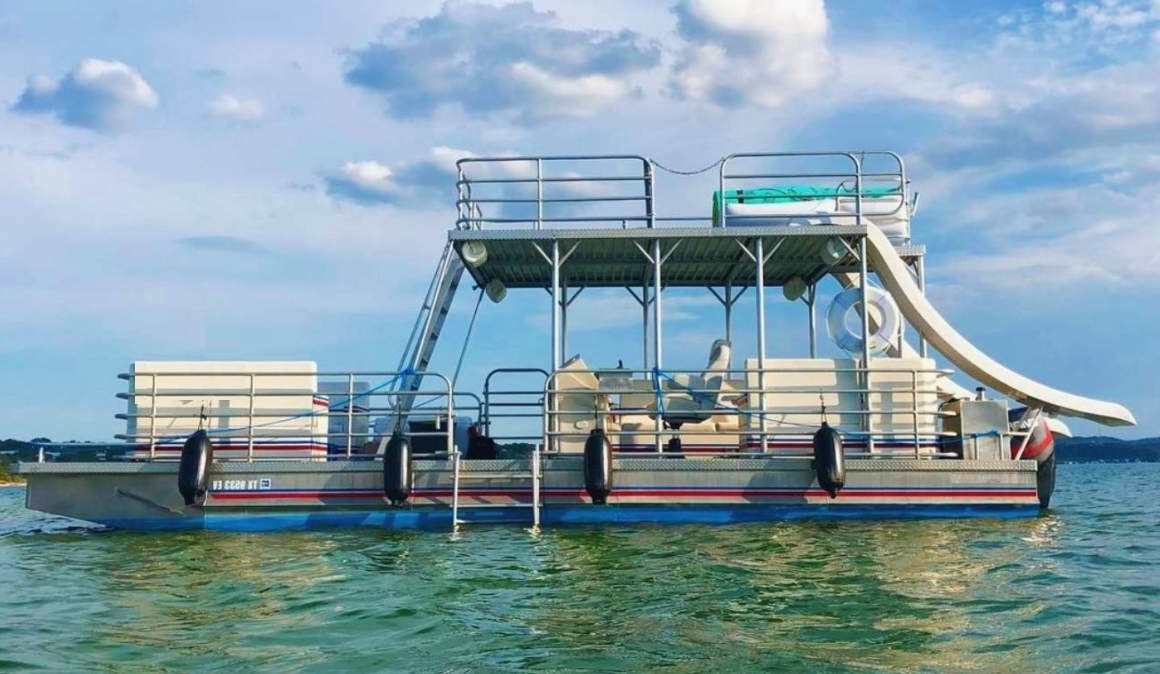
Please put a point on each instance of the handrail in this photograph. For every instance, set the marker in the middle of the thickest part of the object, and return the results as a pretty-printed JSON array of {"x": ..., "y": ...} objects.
[
  {"x": 495, "y": 187},
  {"x": 858, "y": 176},
  {"x": 669, "y": 387},
  {"x": 470, "y": 215},
  {"x": 486, "y": 414},
  {"x": 292, "y": 417}
]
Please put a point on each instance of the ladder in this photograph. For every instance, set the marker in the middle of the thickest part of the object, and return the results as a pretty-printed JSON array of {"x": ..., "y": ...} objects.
[
  {"x": 534, "y": 474},
  {"x": 424, "y": 335}
]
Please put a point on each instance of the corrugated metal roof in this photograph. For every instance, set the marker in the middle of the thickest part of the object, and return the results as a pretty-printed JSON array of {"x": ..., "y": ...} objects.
[{"x": 695, "y": 256}]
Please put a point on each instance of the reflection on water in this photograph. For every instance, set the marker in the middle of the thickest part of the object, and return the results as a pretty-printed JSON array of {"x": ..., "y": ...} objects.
[{"x": 1074, "y": 590}]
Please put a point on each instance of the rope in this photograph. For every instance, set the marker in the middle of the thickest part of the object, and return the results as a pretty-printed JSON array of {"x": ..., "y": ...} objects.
[
  {"x": 657, "y": 374},
  {"x": 687, "y": 173},
  {"x": 466, "y": 339}
]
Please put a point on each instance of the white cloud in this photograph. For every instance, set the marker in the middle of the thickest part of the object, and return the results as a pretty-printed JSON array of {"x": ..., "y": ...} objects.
[
  {"x": 366, "y": 182},
  {"x": 228, "y": 106},
  {"x": 507, "y": 62},
  {"x": 563, "y": 96},
  {"x": 427, "y": 182},
  {"x": 749, "y": 51},
  {"x": 873, "y": 72},
  {"x": 100, "y": 95},
  {"x": 1058, "y": 238}
]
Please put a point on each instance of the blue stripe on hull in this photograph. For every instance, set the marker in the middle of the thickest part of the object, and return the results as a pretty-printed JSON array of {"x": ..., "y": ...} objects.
[{"x": 252, "y": 521}]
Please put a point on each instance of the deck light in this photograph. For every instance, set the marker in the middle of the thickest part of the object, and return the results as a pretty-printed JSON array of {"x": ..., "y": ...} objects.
[
  {"x": 495, "y": 290},
  {"x": 474, "y": 253},
  {"x": 832, "y": 251},
  {"x": 794, "y": 288}
]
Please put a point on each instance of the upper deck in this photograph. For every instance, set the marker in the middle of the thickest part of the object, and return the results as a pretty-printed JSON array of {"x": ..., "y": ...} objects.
[{"x": 607, "y": 217}]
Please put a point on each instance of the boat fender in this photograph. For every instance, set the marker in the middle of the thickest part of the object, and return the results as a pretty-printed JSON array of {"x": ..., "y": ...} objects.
[
  {"x": 193, "y": 471},
  {"x": 397, "y": 476},
  {"x": 883, "y": 310},
  {"x": 1040, "y": 447},
  {"x": 598, "y": 466},
  {"x": 1045, "y": 481},
  {"x": 829, "y": 460}
]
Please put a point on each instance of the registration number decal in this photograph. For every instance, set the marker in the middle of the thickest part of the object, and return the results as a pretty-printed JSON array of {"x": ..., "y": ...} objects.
[{"x": 240, "y": 485}]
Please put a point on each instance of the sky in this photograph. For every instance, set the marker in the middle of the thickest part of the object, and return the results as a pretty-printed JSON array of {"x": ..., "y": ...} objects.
[{"x": 271, "y": 180}]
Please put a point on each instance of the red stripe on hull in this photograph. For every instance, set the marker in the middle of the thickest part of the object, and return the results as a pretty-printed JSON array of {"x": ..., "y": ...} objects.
[{"x": 639, "y": 493}]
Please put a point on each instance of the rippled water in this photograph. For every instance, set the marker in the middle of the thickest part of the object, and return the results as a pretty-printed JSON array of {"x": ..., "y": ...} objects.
[{"x": 1075, "y": 590}]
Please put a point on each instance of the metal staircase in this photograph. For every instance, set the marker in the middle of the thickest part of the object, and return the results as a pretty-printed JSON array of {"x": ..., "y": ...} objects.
[
  {"x": 425, "y": 335},
  {"x": 535, "y": 475}
]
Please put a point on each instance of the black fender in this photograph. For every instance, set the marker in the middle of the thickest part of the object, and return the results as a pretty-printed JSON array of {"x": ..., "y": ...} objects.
[
  {"x": 193, "y": 472},
  {"x": 829, "y": 460},
  {"x": 598, "y": 466},
  {"x": 397, "y": 474},
  {"x": 1045, "y": 480}
]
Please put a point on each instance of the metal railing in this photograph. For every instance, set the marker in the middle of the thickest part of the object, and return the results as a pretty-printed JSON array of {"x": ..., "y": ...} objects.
[
  {"x": 511, "y": 406},
  {"x": 916, "y": 420},
  {"x": 854, "y": 182},
  {"x": 294, "y": 415},
  {"x": 620, "y": 191},
  {"x": 524, "y": 190},
  {"x": 340, "y": 423}
]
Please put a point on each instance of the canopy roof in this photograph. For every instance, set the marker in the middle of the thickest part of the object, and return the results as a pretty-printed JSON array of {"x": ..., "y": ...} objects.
[{"x": 692, "y": 256}]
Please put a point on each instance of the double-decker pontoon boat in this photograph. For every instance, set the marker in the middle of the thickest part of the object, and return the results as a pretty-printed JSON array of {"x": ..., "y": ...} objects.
[{"x": 884, "y": 432}]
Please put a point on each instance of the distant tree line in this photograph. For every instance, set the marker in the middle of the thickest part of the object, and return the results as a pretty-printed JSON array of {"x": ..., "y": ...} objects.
[{"x": 1101, "y": 449}]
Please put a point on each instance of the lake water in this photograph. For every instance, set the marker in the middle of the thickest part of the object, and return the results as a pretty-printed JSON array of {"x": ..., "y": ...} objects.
[{"x": 1077, "y": 590}]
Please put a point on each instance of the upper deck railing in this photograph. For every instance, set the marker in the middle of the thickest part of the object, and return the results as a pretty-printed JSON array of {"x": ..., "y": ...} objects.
[{"x": 623, "y": 191}]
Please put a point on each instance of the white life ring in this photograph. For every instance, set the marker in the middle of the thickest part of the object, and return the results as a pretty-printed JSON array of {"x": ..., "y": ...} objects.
[{"x": 883, "y": 310}]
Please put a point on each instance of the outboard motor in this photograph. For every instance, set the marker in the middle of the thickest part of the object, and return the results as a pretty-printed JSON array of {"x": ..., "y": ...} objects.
[
  {"x": 397, "y": 469},
  {"x": 193, "y": 472},
  {"x": 598, "y": 466},
  {"x": 829, "y": 460},
  {"x": 1041, "y": 447}
]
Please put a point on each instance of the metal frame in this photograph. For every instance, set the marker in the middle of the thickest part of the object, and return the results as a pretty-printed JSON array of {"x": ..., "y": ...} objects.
[
  {"x": 763, "y": 435},
  {"x": 261, "y": 425}
]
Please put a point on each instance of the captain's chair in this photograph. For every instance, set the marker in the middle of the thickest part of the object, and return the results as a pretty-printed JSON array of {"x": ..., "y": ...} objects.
[{"x": 692, "y": 399}]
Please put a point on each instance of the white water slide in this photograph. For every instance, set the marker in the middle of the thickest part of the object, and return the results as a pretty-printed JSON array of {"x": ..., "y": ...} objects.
[{"x": 965, "y": 356}]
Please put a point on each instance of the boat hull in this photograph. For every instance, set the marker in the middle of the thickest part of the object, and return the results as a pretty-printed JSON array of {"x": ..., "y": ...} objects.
[{"x": 281, "y": 495}]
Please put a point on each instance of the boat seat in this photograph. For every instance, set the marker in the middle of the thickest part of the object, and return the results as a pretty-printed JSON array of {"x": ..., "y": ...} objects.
[
  {"x": 701, "y": 408},
  {"x": 580, "y": 405},
  {"x": 693, "y": 398}
]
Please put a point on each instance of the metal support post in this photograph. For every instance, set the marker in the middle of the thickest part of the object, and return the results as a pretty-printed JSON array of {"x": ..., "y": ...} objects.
[
  {"x": 644, "y": 323},
  {"x": 811, "y": 300},
  {"x": 863, "y": 279},
  {"x": 759, "y": 260},
  {"x": 554, "y": 419},
  {"x": 556, "y": 362},
  {"x": 564, "y": 302},
  {"x": 657, "y": 261},
  {"x": 729, "y": 312},
  {"x": 657, "y": 336}
]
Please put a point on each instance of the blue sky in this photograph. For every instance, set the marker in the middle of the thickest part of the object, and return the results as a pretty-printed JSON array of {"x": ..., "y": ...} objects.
[{"x": 271, "y": 180}]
